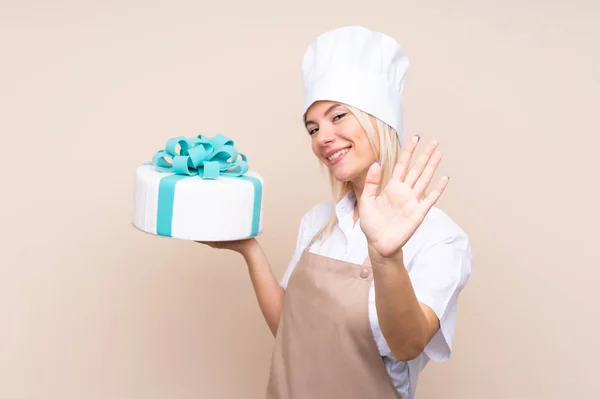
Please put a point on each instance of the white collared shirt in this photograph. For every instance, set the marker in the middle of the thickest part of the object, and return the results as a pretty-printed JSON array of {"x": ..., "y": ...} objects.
[{"x": 438, "y": 259}]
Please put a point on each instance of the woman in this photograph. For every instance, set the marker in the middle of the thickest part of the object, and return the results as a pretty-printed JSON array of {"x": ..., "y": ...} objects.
[{"x": 336, "y": 336}]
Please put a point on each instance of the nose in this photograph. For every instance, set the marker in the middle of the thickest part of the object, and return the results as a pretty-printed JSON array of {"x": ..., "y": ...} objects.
[{"x": 325, "y": 136}]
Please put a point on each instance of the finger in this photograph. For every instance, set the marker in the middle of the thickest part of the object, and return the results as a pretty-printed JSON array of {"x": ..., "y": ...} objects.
[
  {"x": 417, "y": 169},
  {"x": 429, "y": 201},
  {"x": 427, "y": 175},
  {"x": 406, "y": 154},
  {"x": 372, "y": 181}
]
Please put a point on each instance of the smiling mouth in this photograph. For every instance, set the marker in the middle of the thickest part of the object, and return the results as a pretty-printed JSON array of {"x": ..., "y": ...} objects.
[{"x": 336, "y": 155}]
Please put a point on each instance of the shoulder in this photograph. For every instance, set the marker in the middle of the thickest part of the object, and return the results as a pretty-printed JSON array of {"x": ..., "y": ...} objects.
[
  {"x": 438, "y": 225},
  {"x": 313, "y": 220},
  {"x": 440, "y": 230},
  {"x": 318, "y": 214}
]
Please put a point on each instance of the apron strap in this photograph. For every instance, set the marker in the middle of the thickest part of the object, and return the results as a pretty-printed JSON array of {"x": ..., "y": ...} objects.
[
  {"x": 314, "y": 239},
  {"x": 366, "y": 263}
]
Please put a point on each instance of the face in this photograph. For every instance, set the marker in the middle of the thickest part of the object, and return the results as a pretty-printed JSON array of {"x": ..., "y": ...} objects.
[{"x": 339, "y": 141}]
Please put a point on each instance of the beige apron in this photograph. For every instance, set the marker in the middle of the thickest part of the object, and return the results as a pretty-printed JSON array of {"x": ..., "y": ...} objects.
[{"x": 324, "y": 347}]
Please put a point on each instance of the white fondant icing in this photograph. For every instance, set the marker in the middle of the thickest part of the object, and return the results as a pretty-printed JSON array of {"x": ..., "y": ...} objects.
[{"x": 203, "y": 210}]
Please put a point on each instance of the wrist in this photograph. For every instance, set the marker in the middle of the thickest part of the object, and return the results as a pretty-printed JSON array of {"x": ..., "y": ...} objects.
[
  {"x": 250, "y": 249},
  {"x": 379, "y": 260}
]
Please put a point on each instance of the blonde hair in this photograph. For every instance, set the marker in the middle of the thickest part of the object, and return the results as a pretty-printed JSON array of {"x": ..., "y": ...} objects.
[{"x": 385, "y": 144}]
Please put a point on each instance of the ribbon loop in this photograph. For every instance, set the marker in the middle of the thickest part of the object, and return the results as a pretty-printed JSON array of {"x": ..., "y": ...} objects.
[
  {"x": 211, "y": 170},
  {"x": 180, "y": 165}
]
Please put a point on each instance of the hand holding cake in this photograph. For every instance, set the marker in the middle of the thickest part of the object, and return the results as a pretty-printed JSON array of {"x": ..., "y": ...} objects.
[{"x": 243, "y": 247}]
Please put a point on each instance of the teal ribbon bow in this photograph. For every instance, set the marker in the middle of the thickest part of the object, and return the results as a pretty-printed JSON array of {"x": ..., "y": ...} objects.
[
  {"x": 207, "y": 157},
  {"x": 204, "y": 157}
]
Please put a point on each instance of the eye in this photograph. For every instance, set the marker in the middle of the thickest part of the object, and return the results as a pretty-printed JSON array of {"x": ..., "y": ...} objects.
[
  {"x": 312, "y": 131},
  {"x": 340, "y": 116}
]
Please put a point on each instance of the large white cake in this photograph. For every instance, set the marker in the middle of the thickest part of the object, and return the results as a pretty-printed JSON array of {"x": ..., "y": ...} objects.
[{"x": 195, "y": 206}]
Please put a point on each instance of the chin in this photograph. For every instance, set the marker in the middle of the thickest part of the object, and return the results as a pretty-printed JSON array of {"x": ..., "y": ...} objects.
[{"x": 344, "y": 177}]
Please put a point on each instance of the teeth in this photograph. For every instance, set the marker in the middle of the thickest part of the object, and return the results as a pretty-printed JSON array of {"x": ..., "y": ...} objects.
[{"x": 337, "y": 154}]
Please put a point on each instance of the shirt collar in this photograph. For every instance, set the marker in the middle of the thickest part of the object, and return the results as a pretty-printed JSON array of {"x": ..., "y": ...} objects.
[{"x": 344, "y": 209}]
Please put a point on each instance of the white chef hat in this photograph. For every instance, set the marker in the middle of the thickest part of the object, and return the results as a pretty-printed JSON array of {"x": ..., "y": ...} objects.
[{"x": 358, "y": 67}]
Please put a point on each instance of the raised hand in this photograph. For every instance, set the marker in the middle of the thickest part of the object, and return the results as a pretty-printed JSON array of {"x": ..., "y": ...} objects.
[{"x": 391, "y": 217}]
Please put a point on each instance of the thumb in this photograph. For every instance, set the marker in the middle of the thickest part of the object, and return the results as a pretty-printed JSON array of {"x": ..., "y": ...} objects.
[{"x": 372, "y": 181}]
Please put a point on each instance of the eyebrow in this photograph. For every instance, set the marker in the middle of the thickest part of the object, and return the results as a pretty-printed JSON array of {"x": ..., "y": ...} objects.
[{"x": 325, "y": 114}]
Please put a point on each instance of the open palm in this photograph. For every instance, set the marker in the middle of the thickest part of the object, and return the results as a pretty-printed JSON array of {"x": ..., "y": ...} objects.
[{"x": 391, "y": 217}]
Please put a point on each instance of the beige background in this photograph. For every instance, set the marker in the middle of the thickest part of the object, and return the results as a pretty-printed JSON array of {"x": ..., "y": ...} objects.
[{"x": 92, "y": 308}]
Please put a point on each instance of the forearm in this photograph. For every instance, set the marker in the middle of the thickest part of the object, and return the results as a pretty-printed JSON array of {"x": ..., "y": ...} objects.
[
  {"x": 266, "y": 287},
  {"x": 401, "y": 318}
]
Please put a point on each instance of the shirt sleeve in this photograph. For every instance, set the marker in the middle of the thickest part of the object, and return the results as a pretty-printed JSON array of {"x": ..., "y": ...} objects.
[{"x": 440, "y": 272}]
